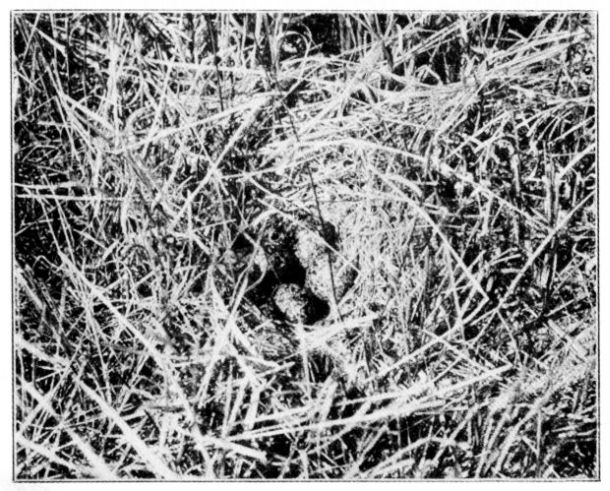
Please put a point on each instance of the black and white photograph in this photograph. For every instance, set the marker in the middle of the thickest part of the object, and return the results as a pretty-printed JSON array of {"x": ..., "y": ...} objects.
[{"x": 304, "y": 245}]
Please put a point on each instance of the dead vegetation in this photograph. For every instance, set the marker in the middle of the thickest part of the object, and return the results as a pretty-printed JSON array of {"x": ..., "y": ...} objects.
[{"x": 454, "y": 153}]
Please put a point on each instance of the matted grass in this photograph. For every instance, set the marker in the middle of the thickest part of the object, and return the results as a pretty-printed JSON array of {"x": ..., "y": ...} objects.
[{"x": 454, "y": 153}]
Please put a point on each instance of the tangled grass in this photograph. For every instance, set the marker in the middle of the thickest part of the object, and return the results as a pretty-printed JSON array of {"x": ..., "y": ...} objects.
[{"x": 455, "y": 154}]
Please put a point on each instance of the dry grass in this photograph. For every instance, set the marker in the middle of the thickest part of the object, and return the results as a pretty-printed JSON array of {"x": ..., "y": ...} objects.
[{"x": 455, "y": 153}]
